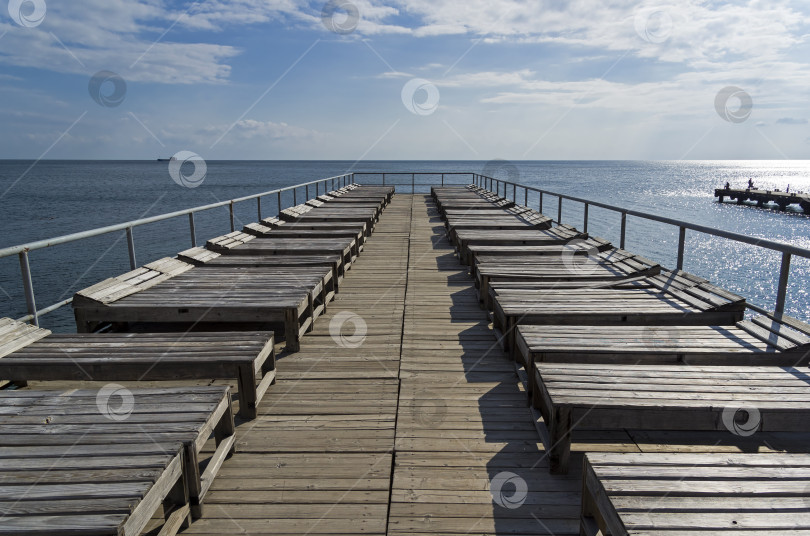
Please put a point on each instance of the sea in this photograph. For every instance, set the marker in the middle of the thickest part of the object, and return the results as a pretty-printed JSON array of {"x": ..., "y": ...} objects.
[{"x": 50, "y": 198}]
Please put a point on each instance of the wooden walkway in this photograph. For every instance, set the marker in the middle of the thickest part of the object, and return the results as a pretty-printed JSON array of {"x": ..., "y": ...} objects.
[{"x": 401, "y": 414}]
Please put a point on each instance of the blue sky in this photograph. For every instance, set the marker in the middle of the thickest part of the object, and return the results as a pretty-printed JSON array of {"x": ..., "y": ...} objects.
[{"x": 406, "y": 79}]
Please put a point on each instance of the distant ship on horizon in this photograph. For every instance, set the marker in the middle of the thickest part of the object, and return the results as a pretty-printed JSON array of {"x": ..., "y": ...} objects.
[{"x": 172, "y": 159}]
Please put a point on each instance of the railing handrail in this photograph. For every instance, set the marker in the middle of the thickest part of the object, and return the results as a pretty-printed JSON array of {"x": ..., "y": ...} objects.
[
  {"x": 22, "y": 250},
  {"x": 81, "y": 235},
  {"x": 787, "y": 250},
  {"x": 775, "y": 245}
]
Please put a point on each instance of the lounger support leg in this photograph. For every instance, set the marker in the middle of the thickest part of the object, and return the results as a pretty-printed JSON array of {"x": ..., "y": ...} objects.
[
  {"x": 176, "y": 511},
  {"x": 311, "y": 310},
  {"x": 191, "y": 468},
  {"x": 226, "y": 443},
  {"x": 588, "y": 525},
  {"x": 247, "y": 391},
  {"x": 82, "y": 325},
  {"x": 560, "y": 431},
  {"x": 291, "y": 337},
  {"x": 225, "y": 428}
]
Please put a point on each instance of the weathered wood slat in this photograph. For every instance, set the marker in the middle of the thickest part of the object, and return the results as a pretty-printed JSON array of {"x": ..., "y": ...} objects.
[
  {"x": 675, "y": 493},
  {"x": 149, "y": 357},
  {"x": 651, "y": 397},
  {"x": 81, "y": 487}
]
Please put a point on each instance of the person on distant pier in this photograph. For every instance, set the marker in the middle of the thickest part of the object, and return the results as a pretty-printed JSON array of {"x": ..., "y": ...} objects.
[
  {"x": 728, "y": 186},
  {"x": 787, "y": 190},
  {"x": 750, "y": 184}
]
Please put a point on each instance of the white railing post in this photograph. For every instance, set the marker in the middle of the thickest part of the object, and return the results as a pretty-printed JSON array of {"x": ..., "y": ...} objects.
[{"x": 28, "y": 287}]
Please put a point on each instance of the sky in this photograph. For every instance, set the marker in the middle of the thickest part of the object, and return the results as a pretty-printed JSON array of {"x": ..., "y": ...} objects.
[{"x": 405, "y": 79}]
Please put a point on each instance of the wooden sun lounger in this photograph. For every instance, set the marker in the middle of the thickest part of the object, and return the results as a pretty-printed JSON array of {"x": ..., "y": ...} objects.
[
  {"x": 469, "y": 190},
  {"x": 355, "y": 204},
  {"x": 739, "y": 400},
  {"x": 451, "y": 198},
  {"x": 239, "y": 243},
  {"x": 245, "y": 357},
  {"x": 102, "y": 461},
  {"x": 205, "y": 257},
  {"x": 383, "y": 200},
  {"x": 246, "y": 298},
  {"x": 533, "y": 254},
  {"x": 292, "y": 230},
  {"x": 274, "y": 222},
  {"x": 759, "y": 341},
  {"x": 646, "y": 494},
  {"x": 756, "y": 342},
  {"x": 495, "y": 223},
  {"x": 337, "y": 214},
  {"x": 613, "y": 265},
  {"x": 475, "y": 202},
  {"x": 360, "y": 191},
  {"x": 126, "y": 494},
  {"x": 671, "y": 298},
  {"x": 465, "y": 238}
]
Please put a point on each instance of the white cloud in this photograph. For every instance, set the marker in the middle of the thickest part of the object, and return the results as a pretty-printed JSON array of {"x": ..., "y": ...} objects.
[
  {"x": 394, "y": 75},
  {"x": 268, "y": 130},
  {"x": 700, "y": 31},
  {"x": 84, "y": 36},
  {"x": 246, "y": 130}
]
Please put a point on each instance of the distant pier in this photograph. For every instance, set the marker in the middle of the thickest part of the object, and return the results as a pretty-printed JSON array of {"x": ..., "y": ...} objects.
[{"x": 782, "y": 199}]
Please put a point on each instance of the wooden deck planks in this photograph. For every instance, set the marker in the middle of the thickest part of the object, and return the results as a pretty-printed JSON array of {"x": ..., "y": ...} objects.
[
  {"x": 463, "y": 422},
  {"x": 422, "y": 409},
  {"x": 318, "y": 458}
]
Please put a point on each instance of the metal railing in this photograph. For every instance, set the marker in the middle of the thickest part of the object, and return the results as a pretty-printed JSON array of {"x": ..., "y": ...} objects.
[
  {"x": 443, "y": 176},
  {"x": 786, "y": 250},
  {"x": 23, "y": 250},
  {"x": 490, "y": 183}
]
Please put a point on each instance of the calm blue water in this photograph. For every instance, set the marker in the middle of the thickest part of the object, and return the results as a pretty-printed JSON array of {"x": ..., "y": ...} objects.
[{"x": 59, "y": 197}]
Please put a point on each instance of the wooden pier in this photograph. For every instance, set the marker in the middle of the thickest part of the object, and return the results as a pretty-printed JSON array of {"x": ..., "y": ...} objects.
[
  {"x": 400, "y": 413},
  {"x": 760, "y": 197}
]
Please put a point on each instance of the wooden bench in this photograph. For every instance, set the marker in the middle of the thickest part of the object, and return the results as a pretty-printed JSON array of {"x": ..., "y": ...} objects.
[
  {"x": 102, "y": 461},
  {"x": 667, "y": 299},
  {"x": 610, "y": 266},
  {"x": 248, "y": 298},
  {"x": 741, "y": 400},
  {"x": 643, "y": 494},
  {"x": 246, "y": 357}
]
